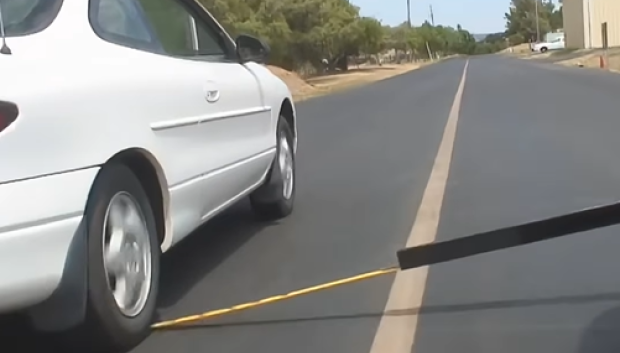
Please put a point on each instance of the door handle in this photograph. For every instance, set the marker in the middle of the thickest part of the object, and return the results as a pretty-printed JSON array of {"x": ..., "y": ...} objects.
[{"x": 212, "y": 94}]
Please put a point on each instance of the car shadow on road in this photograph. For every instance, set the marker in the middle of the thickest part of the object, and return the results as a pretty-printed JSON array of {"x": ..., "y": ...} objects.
[
  {"x": 603, "y": 334},
  {"x": 607, "y": 324},
  {"x": 201, "y": 252},
  {"x": 15, "y": 332}
]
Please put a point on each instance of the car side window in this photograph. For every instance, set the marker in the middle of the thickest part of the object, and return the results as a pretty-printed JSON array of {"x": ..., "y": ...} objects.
[
  {"x": 24, "y": 17},
  {"x": 122, "y": 22},
  {"x": 182, "y": 34}
]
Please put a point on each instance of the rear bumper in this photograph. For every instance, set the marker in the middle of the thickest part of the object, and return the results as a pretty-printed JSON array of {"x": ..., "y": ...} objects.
[{"x": 39, "y": 219}]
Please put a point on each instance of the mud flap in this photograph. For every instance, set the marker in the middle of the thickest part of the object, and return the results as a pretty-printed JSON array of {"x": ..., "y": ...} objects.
[
  {"x": 66, "y": 308},
  {"x": 271, "y": 190}
]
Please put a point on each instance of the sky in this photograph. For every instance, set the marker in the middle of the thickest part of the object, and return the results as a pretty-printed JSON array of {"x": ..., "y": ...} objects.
[{"x": 476, "y": 16}]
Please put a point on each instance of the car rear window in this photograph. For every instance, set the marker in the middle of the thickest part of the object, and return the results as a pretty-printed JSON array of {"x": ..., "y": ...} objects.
[{"x": 24, "y": 17}]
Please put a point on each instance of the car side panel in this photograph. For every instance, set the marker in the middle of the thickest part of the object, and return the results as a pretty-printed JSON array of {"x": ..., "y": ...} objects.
[
  {"x": 39, "y": 225},
  {"x": 86, "y": 113}
]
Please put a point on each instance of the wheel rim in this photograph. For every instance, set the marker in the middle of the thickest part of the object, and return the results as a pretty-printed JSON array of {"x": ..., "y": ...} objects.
[
  {"x": 286, "y": 168},
  {"x": 127, "y": 254}
]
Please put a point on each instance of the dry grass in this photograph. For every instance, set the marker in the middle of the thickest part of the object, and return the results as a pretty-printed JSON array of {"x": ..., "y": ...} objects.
[
  {"x": 518, "y": 50},
  {"x": 320, "y": 85}
]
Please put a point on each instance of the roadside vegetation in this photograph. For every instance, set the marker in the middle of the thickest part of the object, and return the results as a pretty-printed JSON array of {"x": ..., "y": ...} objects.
[
  {"x": 303, "y": 34},
  {"x": 521, "y": 27},
  {"x": 313, "y": 39},
  {"x": 521, "y": 20}
]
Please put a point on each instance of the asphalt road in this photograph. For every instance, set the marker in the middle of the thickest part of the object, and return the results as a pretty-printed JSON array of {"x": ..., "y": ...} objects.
[{"x": 533, "y": 140}]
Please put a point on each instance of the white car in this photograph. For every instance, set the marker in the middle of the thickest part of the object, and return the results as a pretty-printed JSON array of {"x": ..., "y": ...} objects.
[
  {"x": 555, "y": 44},
  {"x": 124, "y": 126}
]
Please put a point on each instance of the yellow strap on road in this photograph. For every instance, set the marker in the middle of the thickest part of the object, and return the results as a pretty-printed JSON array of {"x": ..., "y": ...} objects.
[
  {"x": 438, "y": 252},
  {"x": 275, "y": 298}
]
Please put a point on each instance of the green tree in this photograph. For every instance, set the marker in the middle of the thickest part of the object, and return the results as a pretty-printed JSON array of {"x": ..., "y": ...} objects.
[
  {"x": 556, "y": 19},
  {"x": 370, "y": 35},
  {"x": 521, "y": 19},
  {"x": 301, "y": 33}
]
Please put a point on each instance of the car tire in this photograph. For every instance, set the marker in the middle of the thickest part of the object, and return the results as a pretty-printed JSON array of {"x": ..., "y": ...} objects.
[
  {"x": 119, "y": 201},
  {"x": 543, "y": 49},
  {"x": 275, "y": 199}
]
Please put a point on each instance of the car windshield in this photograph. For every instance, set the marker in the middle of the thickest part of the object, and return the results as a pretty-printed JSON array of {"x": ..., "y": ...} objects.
[{"x": 24, "y": 17}]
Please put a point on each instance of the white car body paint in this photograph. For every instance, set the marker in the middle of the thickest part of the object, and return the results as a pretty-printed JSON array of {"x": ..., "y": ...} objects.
[
  {"x": 556, "y": 44},
  {"x": 83, "y": 100}
]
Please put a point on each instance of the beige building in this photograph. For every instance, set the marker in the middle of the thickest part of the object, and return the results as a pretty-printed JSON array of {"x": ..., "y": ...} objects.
[{"x": 583, "y": 21}]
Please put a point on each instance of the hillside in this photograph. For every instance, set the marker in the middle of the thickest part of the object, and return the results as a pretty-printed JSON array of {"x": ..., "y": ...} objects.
[{"x": 479, "y": 37}]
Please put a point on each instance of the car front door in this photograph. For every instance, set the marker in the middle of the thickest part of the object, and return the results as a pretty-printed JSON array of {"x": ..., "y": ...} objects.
[
  {"x": 211, "y": 131},
  {"x": 235, "y": 126}
]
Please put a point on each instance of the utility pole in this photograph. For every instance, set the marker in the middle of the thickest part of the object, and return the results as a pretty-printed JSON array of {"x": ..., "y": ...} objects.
[
  {"x": 409, "y": 13},
  {"x": 432, "y": 15},
  {"x": 537, "y": 21}
]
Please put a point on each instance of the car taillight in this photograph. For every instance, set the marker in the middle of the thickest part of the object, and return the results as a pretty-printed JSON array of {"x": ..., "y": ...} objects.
[{"x": 8, "y": 114}]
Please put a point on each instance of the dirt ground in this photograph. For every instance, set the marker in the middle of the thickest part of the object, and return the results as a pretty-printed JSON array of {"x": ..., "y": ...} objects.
[
  {"x": 519, "y": 50},
  {"x": 586, "y": 58},
  {"x": 577, "y": 58},
  {"x": 320, "y": 85}
]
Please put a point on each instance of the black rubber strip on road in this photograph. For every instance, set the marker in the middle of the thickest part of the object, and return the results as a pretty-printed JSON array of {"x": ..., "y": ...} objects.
[{"x": 504, "y": 238}]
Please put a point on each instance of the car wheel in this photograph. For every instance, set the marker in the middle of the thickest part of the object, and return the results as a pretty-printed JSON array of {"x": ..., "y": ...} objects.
[
  {"x": 543, "y": 50},
  {"x": 123, "y": 255},
  {"x": 276, "y": 197}
]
